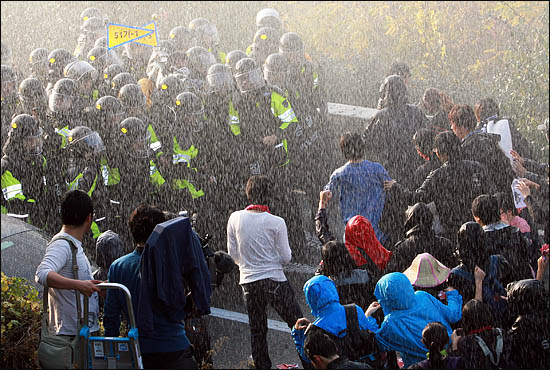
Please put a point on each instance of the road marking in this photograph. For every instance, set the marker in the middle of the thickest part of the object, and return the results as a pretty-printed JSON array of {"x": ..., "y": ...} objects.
[{"x": 241, "y": 317}]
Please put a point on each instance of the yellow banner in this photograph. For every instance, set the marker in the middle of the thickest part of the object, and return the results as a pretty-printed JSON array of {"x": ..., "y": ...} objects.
[{"x": 118, "y": 34}]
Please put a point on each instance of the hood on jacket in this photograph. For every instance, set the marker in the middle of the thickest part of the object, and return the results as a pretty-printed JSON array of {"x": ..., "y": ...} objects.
[
  {"x": 321, "y": 295},
  {"x": 526, "y": 296},
  {"x": 393, "y": 92},
  {"x": 418, "y": 218},
  {"x": 394, "y": 292},
  {"x": 360, "y": 234}
]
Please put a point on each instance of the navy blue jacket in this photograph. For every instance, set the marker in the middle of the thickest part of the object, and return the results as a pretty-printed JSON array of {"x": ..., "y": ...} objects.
[{"x": 172, "y": 264}]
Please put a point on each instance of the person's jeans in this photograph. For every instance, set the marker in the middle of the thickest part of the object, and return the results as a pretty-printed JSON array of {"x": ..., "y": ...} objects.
[
  {"x": 257, "y": 295},
  {"x": 170, "y": 360}
]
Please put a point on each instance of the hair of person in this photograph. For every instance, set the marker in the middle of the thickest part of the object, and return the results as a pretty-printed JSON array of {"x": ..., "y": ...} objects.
[
  {"x": 486, "y": 108},
  {"x": 424, "y": 140},
  {"x": 143, "y": 220},
  {"x": 336, "y": 259},
  {"x": 471, "y": 245},
  {"x": 109, "y": 247},
  {"x": 506, "y": 202},
  {"x": 435, "y": 338},
  {"x": 400, "y": 69},
  {"x": 432, "y": 99},
  {"x": 76, "y": 206},
  {"x": 486, "y": 208},
  {"x": 462, "y": 115},
  {"x": 319, "y": 343},
  {"x": 259, "y": 190},
  {"x": 447, "y": 143},
  {"x": 352, "y": 146},
  {"x": 446, "y": 102},
  {"x": 476, "y": 315}
]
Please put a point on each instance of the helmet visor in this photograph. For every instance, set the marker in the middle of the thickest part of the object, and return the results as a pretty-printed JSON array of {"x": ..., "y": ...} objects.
[
  {"x": 250, "y": 81},
  {"x": 138, "y": 147},
  {"x": 220, "y": 82},
  {"x": 93, "y": 141},
  {"x": 276, "y": 78},
  {"x": 60, "y": 102},
  {"x": 33, "y": 144}
]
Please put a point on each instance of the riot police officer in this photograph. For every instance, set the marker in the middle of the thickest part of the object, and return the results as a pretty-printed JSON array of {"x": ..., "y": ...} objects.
[
  {"x": 206, "y": 35},
  {"x": 183, "y": 38},
  {"x": 119, "y": 81},
  {"x": 58, "y": 59},
  {"x": 86, "y": 78},
  {"x": 23, "y": 171},
  {"x": 92, "y": 29},
  {"x": 265, "y": 43}
]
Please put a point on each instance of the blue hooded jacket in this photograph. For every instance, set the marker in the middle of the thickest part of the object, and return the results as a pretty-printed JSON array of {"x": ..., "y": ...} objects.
[
  {"x": 406, "y": 314},
  {"x": 330, "y": 315}
]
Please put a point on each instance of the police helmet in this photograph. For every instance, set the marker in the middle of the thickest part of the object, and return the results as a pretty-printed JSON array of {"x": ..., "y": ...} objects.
[
  {"x": 291, "y": 43},
  {"x": 32, "y": 92},
  {"x": 25, "y": 134},
  {"x": 8, "y": 74},
  {"x": 111, "y": 71},
  {"x": 89, "y": 13},
  {"x": 268, "y": 17},
  {"x": 219, "y": 79},
  {"x": 109, "y": 106},
  {"x": 135, "y": 137},
  {"x": 83, "y": 141},
  {"x": 205, "y": 31},
  {"x": 267, "y": 38},
  {"x": 233, "y": 57},
  {"x": 121, "y": 80},
  {"x": 38, "y": 57},
  {"x": 169, "y": 88},
  {"x": 63, "y": 95},
  {"x": 182, "y": 37},
  {"x": 58, "y": 59},
  {"x": 248, "y": 75},
  {"x": 98, "y": 55},
  {"x": 80, "y": 71},
  {"x": 200, "y": 60},
  {"x": 276, "y": 70},
  {"x": 131, "y": 96},
  {"x": 93, "y": 25}
]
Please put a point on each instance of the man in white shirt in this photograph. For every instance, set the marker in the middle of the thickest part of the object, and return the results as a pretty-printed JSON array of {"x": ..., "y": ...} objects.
[
  {"x": 258, "y": 242},
  {"x": 56, "y": 272}
]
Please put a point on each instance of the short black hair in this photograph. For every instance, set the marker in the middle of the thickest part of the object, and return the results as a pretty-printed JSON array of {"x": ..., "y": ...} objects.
[
  {"x": 76, "y": 206},
  {"x": 336, "y": 259},
  {"x": 447, "y": 143},
  {"x": 506, "y": 202},
  {"x": 476, "y": 315},
  {"x": 486, "y": 108},
  {"x": 143, "y": 220},
  {"x": 424, "y": 140},
  {"x": 352, "y": 146},
  {"x": 259, "y": 190},
  {"x": 319, "y": 343},
  {"x": 400, "y": 69},
  {"x": 486, "y": 207},
  {"x": 463, "y": 115}
]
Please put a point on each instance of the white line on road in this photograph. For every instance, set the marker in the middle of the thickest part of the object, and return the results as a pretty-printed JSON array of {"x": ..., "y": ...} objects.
[{"x": 241, "y": 317}]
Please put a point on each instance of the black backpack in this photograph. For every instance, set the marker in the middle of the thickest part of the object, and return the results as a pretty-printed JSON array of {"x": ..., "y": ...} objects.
[{"x": 358, "y": 345}]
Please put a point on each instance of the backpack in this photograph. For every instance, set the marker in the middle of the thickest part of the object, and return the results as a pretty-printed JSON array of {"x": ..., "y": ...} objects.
[
  {"x": 357, "y": 345},
  {"x": 490, "y": 355},
  {"x": 492, "y": 288}
]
